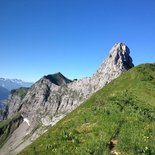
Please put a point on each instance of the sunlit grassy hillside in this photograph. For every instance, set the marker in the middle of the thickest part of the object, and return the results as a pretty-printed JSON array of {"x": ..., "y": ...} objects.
[{"x": 118, "y": 118}]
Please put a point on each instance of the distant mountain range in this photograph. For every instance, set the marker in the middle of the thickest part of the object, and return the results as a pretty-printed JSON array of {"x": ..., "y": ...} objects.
[
  {"x": 6, "y": 85},
  {"x": 3, "y": 93},
  {"x": 13, "y": 83}
]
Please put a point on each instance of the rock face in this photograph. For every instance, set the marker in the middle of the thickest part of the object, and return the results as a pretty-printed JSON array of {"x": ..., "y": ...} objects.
[
  {"x": 118, "y": 61},
  {"x": 14, "y": 101},
  {"x": 7, "y": 128},
  {"x": 6, "y": 86},
  {"x": 53, "y": 96}
]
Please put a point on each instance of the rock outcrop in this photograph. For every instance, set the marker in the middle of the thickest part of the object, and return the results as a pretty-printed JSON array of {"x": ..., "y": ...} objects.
[
  {"x": 14, "y": 101},
  {"x": 118, "y": 61},
  {"x": 53, "y": 96}
]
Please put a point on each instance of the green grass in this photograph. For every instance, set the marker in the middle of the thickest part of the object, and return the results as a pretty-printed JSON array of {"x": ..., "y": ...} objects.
[
  {"x": 58, "y": 79},
  {"x": 8, "y": 126},
  {"x": 20, "y": 91},
  {"x": 124, "y": 110}
]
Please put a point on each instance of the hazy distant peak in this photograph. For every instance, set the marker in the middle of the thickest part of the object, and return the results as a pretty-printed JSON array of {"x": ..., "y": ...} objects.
[{"x": 13, "y": 83}]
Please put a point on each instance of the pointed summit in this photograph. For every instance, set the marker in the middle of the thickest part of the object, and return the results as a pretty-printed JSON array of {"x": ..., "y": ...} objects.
[
  {"x": 120, "y": 47},
  {"x": 120, "y": 54},
  {"x": 117, "y": 62},
  {"x": 119, "y": 59}
]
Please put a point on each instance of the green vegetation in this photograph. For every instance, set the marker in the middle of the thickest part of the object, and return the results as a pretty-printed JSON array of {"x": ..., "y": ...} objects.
[
  {"x": 7, "y": 127},
  {"x": 120, "y": 117},
  {"x": 58, "y": 79},
  {"x": 20, "y": 91}
]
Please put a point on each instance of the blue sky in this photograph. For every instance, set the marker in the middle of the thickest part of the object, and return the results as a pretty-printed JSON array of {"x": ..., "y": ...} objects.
[{"x": 39, "y": 37}]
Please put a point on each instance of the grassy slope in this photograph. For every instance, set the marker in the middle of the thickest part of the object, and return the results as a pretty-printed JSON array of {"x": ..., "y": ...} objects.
[
  {"x": 124, "y": 110},
  {"x": 22, "y": 91}
]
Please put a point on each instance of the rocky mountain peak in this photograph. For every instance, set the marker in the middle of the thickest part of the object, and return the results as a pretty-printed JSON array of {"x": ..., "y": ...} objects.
[
  {"x": 120, "y": 47},
  {"x": 120, "y": 55}
]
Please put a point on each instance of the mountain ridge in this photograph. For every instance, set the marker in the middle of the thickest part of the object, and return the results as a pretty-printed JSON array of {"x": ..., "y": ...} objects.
[
  {"x": 48, "y": 101},
  {"x": 58, "y": 79}
]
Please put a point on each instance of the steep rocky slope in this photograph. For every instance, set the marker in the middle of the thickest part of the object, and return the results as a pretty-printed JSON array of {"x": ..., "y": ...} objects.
[
  {"x": 118, "y": 61},
  {"x": 6, "y": 85},
  {"x": 13, "y": 103},
  {"x": 53, "y": 96},
  {"x": 14, "y": 100},
  {"x": 56, "y": 94}
]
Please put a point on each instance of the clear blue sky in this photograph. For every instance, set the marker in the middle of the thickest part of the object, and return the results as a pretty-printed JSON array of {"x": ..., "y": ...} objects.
[{"x": 39, "y": 37}]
